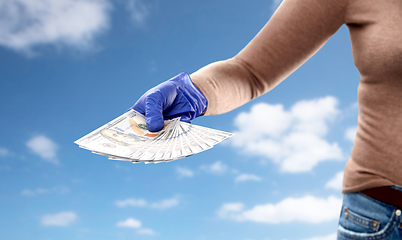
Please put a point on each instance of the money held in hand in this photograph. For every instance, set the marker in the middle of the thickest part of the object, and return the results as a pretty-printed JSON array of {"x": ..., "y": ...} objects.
[{"x": 127, "y": 138}]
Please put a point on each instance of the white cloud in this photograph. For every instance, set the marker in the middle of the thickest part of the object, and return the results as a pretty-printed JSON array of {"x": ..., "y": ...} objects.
[
  {"x": 228, "y": 208},
  {"x": 166, "y": 203},
  {"x": 4, "y": 152},
  {"x": 306, "y": 209},
  {"x": 25, "y": 24},
  {"x": 134, "y": 223},
  {"x": 216, "y": 168},
  {"x": 163, "y": 204},
  {"x": 38, "y": 191},
  {"x": 247, "y": 177},
  {"x": 59, "y": 219},
  {"x": 350, "y": 134},
  {"x": 184, "y": 172},
  {"x": 44, "y": 147},
  {"x": 293, "y": 139},
  {"x": 28, "y": 192},
  {"x": 129, "y": 223},
  {"x": 329, "y": 237},
  {"x": 132, "y": 202},
  {"x": 137, "y": 9},
  {"x": 146, "y": 231},
  {"x": 335, "y": 182}
]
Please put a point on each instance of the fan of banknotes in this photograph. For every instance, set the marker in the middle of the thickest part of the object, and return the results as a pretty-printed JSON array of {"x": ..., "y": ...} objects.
[{"x": 127, "y": 138}]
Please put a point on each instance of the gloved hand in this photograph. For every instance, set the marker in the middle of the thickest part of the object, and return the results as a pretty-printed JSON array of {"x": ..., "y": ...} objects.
[{"x": 176, "y": 97}]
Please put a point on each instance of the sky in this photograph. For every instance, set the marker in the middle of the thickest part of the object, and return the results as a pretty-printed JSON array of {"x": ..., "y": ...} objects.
[{"x": 70, "y": 66}]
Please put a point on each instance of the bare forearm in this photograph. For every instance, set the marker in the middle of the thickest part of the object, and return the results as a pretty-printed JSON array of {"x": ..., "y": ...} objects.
[
  {"x": 228, "y": 84},
  {"x": 297, "y": 30}
]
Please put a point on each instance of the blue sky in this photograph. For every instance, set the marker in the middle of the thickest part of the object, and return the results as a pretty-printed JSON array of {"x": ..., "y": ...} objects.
[{"x": 69, "y": 66}]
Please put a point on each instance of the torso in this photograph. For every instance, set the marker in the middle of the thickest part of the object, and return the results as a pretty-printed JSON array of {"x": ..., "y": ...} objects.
[{"x": 376, "y": 35}]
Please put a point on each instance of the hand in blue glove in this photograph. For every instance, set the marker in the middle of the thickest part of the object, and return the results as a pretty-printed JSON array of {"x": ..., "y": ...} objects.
[{"x": 177, "y": 97}]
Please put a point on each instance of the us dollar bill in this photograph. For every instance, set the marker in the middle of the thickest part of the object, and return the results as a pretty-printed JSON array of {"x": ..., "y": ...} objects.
[{"x": 127, "y": 138}]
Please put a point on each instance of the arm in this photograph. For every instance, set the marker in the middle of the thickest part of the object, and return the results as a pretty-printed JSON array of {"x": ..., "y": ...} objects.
[{"x": 297, "y": 30}]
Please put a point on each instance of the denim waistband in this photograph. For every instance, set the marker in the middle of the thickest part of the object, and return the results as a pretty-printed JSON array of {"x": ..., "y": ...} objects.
[{"x": 397, "y": 187}]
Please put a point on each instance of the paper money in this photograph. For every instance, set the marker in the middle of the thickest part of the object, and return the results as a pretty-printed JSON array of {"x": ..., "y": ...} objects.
[{"x": 127, "y": 138}]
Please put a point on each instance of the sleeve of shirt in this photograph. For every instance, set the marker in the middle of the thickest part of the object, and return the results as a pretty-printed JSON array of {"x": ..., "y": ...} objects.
[{"x": 297, "y": 30}]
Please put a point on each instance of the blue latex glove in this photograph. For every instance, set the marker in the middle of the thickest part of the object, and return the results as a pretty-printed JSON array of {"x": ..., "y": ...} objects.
[{"x": 177, "y": 97}]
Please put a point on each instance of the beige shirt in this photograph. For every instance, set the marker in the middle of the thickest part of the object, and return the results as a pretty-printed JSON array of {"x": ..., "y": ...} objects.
[{"x": 295, "y": 32}]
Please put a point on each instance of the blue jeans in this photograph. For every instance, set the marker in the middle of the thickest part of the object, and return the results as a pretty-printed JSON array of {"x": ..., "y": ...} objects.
[{"x": 365, "y": 218}]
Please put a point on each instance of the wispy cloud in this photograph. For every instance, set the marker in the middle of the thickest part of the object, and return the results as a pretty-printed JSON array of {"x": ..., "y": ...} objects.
[
  {"x": 28, "y": 192},
  {"x": 275, "y": 4},
  {"x": 39, "y": 191},
  {"x": 138, "y": 10},
  {"x": 335, "y": 182},
  {"x": 136, "y": 224},
  {"x": 132, "y": 202},
  {"x": 44, "y": 147},
  {"x": 146, "y": 231},
  {"x": 25, "y": 24},
  {"x": 163, "y": 204},
  {"x": 166, "y": 203},
  {"x": 218, "y": 168},
  {"x": 329, "y": 237},
  {"x": 5, "y": 168},
  {"x": 294, "y": 139},
  {"x": 62, "y": 219},
  {"x": 215, "y": 168},
  {"x": 4, "y": 152},
  {"x": 247, "y": 177},
  {"x": 183, "y": 172},
  {"x": 307, "y": 209},
  {"x": 350, "y": 134}
]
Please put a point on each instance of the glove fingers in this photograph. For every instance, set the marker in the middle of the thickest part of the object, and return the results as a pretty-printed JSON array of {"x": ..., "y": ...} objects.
[
  {"x": 180, "y": 108},
  {"x": 154, "y": 113},
  {"x": 153, "y": 102}
]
